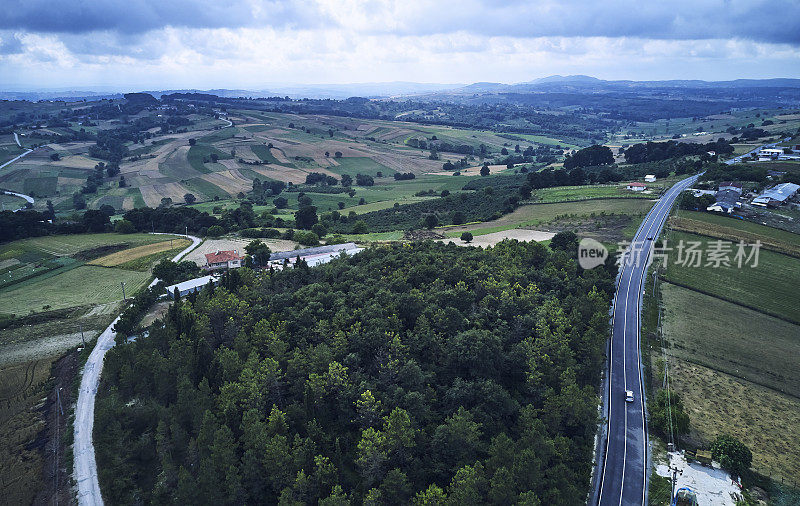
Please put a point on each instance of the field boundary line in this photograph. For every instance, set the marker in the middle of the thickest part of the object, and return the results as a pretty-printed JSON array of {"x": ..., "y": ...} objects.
[{"x": 726, "y": 299}]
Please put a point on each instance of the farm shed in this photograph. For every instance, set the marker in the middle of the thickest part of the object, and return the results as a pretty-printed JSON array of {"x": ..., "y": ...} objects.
[
  {"x": 314, "y": 256},
  {"x": 777, "y": 195},
  {"x": 190, "y": 286}
]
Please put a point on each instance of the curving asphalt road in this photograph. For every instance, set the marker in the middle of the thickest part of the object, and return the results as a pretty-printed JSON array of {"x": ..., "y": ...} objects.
[
  {"x": 623, "y": 466},
  {"x": 85, "y": 466}
]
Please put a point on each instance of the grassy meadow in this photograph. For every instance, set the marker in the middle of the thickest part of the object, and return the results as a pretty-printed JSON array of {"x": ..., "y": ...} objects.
[
  {"x": 732, "y": 340},
  {"x": 532, "y": 215},
  {"x": 770, "y": 287}
]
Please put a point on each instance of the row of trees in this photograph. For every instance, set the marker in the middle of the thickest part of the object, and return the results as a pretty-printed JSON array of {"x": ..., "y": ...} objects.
[{"x": 655, "y": 151}]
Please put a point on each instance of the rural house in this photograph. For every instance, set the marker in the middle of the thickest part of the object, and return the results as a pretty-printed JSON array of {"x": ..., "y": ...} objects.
[
  {"x": 636, "y": 187},
  {"x": 725, "y": 201},
  {"x": 223, "y": 260},
  {"x": 730, "y": 186}
]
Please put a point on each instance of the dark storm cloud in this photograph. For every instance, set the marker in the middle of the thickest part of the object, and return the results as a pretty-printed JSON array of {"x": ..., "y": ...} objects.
[
  {"x": 138, "y": 16},
  {"x": 776, "y": 21}
]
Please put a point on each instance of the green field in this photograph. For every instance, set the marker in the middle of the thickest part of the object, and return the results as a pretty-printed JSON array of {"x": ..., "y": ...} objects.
[
  {"x": 177, "y": 166},
  {"x": 40, "y": 186},
  {"x": 262, "y": 151},
  {"x": 219, "y": 135},
  {"x": 60, "y": 245},
  {"x": 83, "y": 285},
  {"x": 200, "y": 152},
  {"x": 204, "y": 190},
  {"x": 9, "y": 151},
  {"x": 736, "y": 371},
  {"x": 721, "y": 335},
  {"x": 747, "y": 226},
  {"x": 568, "y": 193},
  {"x": 45, "y": 269},
  {"x": 10, "y": 202},
  {"x": 770, "y": 287},
  {"x": 537, "y": 214}
]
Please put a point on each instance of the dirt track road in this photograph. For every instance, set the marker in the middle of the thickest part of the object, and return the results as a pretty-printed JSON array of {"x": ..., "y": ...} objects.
[{"x": 85, "y": 465}]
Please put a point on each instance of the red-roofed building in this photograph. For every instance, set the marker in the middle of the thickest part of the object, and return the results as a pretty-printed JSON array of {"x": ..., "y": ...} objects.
[
  {"x": 637, "y": 187},
  {"x": 223, "y": 260}
]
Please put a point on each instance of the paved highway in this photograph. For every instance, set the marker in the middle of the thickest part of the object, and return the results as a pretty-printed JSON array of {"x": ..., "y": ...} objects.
[
  {"x": 739, "y": 158},
  {"x": 84, "y": 461},
  {"x": 623, "y": 464}
]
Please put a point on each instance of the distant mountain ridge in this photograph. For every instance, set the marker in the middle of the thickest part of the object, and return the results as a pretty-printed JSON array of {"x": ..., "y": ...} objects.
[
  {"x": 405, "y": 89},
  {"x": 585, "y": 83}
]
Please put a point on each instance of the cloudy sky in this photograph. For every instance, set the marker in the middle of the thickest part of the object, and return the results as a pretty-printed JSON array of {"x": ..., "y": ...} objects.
[{"x": 161, "y": 44}]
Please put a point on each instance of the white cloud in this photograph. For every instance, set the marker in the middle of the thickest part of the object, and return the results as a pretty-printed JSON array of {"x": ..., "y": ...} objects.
[{"x": 175, "y": 57}]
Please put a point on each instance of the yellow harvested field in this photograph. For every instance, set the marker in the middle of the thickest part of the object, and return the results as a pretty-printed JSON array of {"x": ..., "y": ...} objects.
[
  {"x": 120, "y": 257},
  {"x": 229, "y": 180},
  {"x": 77, "y": 161},
  {"x": 152, "y": 194},
  {"x": 766, "y": 421},
  {"x": 288, "y": 174},
  {"x": 278, "y": 154},
  {"x": 474, "y": 171}
]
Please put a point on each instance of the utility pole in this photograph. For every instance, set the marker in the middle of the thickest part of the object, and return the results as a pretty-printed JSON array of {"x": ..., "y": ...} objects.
[
  {"x": 675, "y": 473},
  {"x": 82, "y": 339},
  {"x": 123, "y": 289},
  {"x": 60, "y": 407}
]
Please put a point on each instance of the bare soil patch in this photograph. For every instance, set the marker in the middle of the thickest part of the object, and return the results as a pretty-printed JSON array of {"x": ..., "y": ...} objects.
[
  {"x": 234, "y": 243},
  {"x": 488, "y": 240}
]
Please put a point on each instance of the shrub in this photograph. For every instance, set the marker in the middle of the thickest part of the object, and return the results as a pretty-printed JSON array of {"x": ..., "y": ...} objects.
[
  {"x": 360, "y": 227},
  {"x": 319, "y": 229},
  {"x": 306, "y": 238},
  {"x": 466, "y": 237},
  {"x": 732, "y": 454},
  {"x": 124, "y": 227},
  {"x": 215, "y": 230}
]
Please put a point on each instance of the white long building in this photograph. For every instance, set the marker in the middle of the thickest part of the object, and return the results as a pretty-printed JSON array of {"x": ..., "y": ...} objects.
[
  {"x": 314, "y": 256},
  {"x": 190, "y": 286}
]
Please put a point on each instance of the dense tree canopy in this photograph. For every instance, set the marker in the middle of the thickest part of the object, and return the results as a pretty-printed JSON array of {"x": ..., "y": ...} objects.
[
  {"x": 588, "y": 157},
  {"x": 423, "y": 372}
]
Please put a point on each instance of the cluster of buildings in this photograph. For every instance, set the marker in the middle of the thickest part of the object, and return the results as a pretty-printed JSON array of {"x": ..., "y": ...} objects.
[
  {"x": 777, "y": 153},
  {"x": 231, "y": 259},
  {"x": 729, "y": 196},
  {"x": 312, "y": 256}
]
